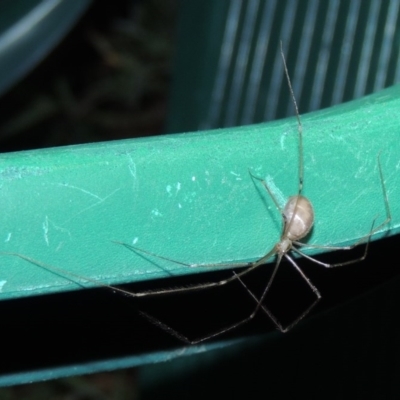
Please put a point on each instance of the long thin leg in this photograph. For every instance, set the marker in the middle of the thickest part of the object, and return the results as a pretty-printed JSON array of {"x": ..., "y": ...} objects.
[
  {"x": 270, "y": 314},
  {"x": 252, "y": 315},
  {"x": 248, "y": 268},
  {"x": 346, "y": 248},
  {"x": 259, "y": 304},
  {"x": 301, "y": 161},
  {"x": 299, "y": 125},
  {"x": 155, "y": 321},
  {"x": 198, "y": 265},
  {"x": 365, "y": 239},
  {"x": 184, "y": 338},
  {"x": 59, "y": 271},
  {"x": 300, "y": 134},
  {"x": 226, "y": 329},
  {"x": 268, "y": 190}
]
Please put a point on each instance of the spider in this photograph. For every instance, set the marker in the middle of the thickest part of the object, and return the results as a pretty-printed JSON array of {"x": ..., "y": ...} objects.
[{"x": 297, "y": 221}]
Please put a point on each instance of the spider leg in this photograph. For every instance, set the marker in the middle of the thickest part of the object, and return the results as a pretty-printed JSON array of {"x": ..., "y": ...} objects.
[
  {"x": 228, "y": 328},
  {"x": 260, "y": 300},
  {"x": 248, "y": 267},
  {"x": 365, "y": 239}
]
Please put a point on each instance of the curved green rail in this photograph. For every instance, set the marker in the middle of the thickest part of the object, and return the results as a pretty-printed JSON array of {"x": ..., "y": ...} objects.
[{"x": 190, "y": 197}]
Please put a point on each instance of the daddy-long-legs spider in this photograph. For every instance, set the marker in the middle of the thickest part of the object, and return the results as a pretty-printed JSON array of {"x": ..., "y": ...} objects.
[
  {"x": 298, "y": 209},
  {"x": 297, "y": 221}
]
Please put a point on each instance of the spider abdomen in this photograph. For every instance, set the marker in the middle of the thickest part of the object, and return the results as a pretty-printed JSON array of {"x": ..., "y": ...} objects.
[{"x": 299, "y": 217}]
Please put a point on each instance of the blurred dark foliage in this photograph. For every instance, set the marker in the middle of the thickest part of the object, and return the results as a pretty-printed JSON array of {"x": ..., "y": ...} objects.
[
  {"x": 108, "y": 79},
  {"x": 119, "y": 385}
]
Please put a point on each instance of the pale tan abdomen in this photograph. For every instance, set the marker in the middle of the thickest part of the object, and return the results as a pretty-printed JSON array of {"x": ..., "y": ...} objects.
[{"x": 299, "y": 217}]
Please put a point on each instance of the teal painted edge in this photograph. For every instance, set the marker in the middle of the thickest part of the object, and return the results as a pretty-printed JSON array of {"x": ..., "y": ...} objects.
[
  {"x": 118, "y": 363},
  {"x": 190, "y": 197}
]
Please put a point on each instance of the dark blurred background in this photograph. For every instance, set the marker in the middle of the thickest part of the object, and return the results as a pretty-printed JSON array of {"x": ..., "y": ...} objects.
[
  {"x": 114, "y": 76},
  {"x": 108, "y": 79}
]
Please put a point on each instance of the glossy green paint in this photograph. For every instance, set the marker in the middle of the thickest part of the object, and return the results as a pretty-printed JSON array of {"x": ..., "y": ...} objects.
[{"x": 190, "y": 196}]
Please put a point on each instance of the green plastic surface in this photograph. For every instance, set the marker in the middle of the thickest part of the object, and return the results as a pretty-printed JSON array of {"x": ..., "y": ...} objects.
[{"x": 190, "y": 196}]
